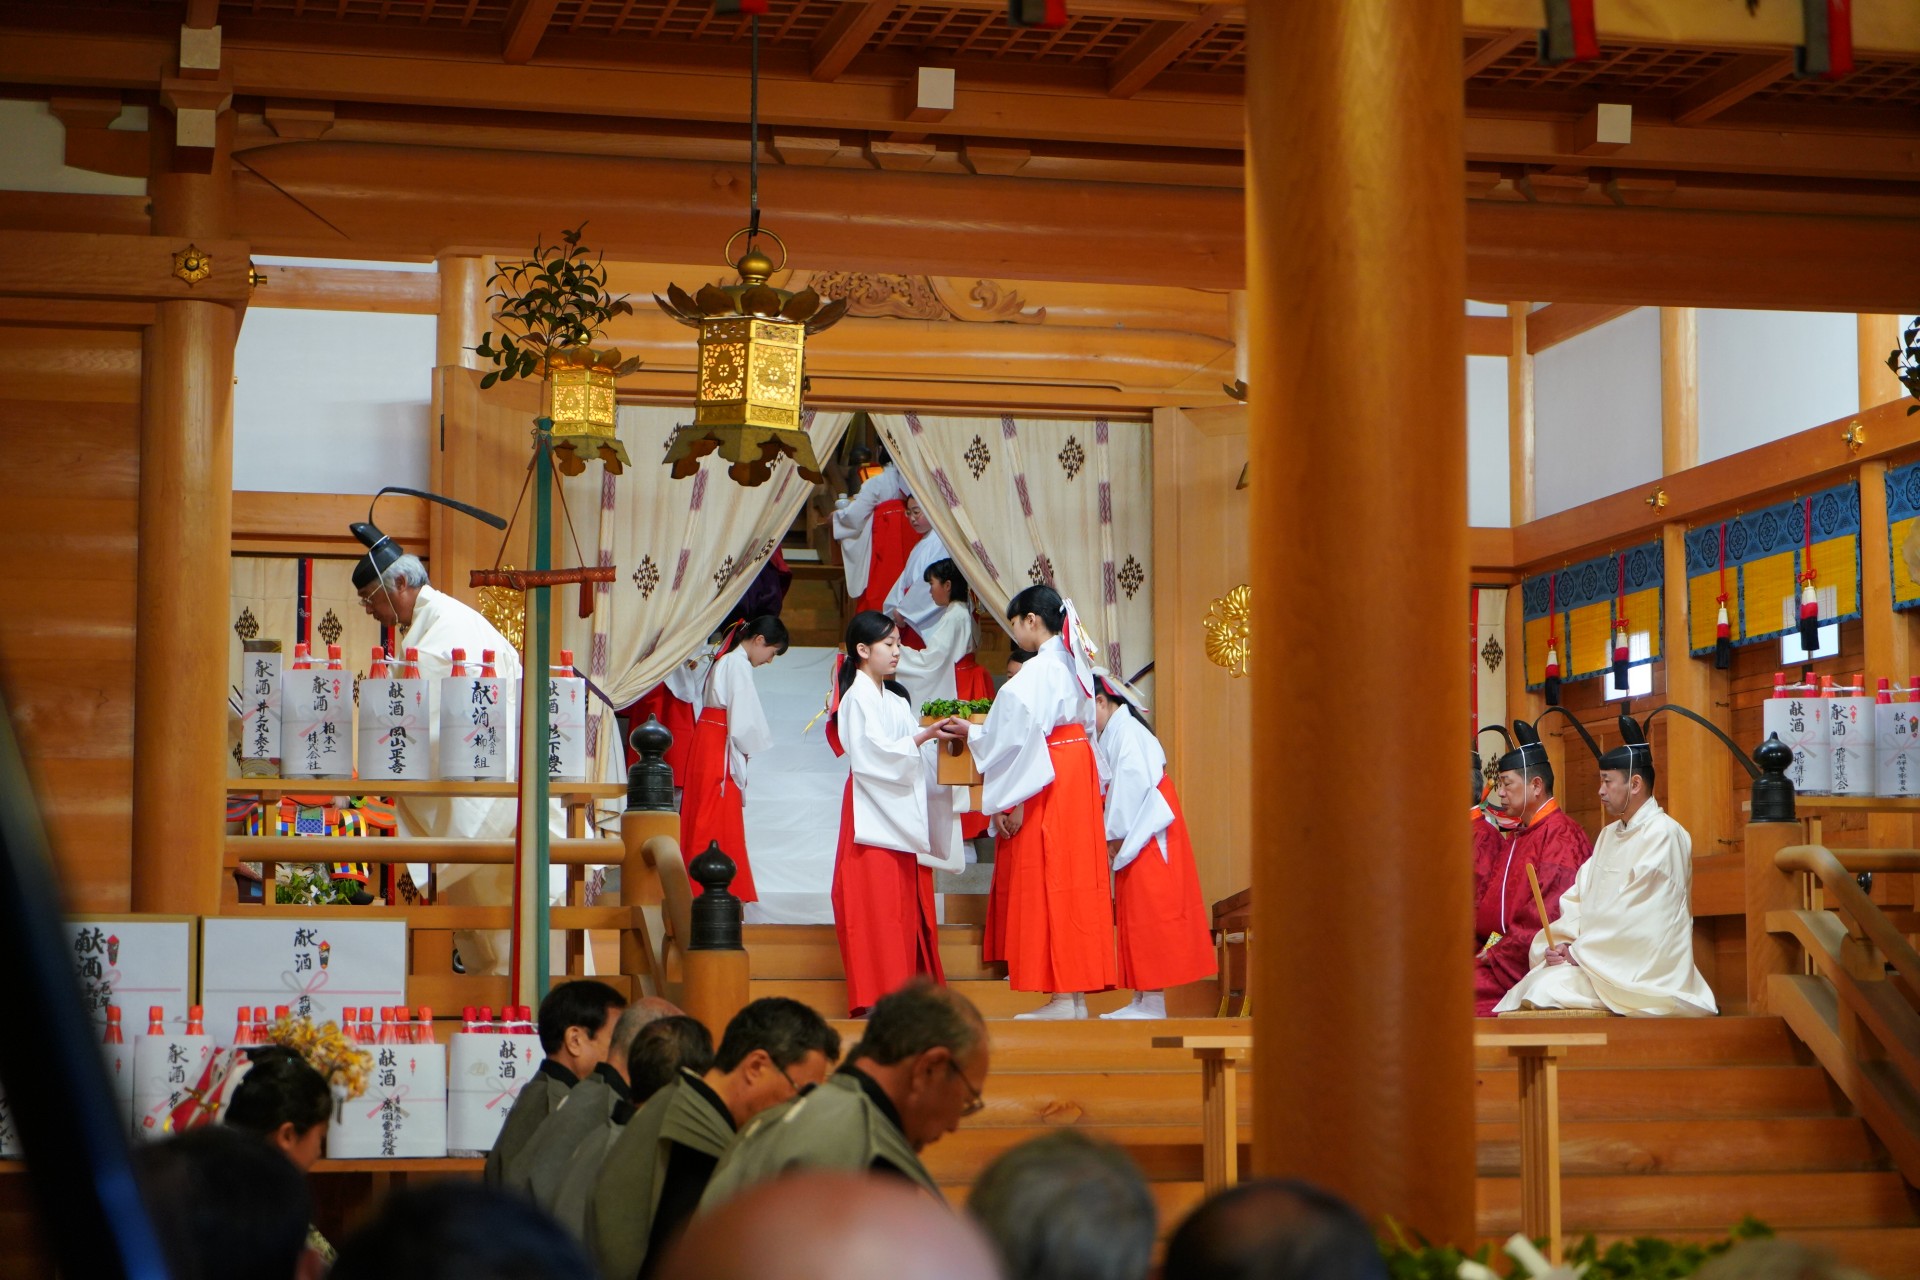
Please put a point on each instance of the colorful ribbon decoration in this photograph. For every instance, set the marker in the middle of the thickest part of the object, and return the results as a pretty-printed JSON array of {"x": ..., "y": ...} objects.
[
  {"x": 1553, "y": 642},
  {"x": 1723, "y": 627},
  {"x": 1809, "y": 598},
  {"x": 1621, "y": 648}
]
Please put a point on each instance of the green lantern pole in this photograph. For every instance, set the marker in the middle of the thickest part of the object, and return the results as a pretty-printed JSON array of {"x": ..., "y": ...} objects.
[{"x": 532, "y": 914}]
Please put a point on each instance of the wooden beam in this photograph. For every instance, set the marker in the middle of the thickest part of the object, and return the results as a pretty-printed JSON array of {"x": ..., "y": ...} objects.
[
  {"x": 1153, "y": 51},
  {"x": 1491, "y": 49},
  {"x": 1486, "y": 336},
  {"x": 324, "y": 517},
  {"x": 134, "y": 268},
  {"x": 846, "y": 34},
  {"x": 1679, "y": 389},
  {"x": 1520, "y": 479},
  {"x": 349, "y": 289},
  {"x": 1552, "y": 325},
  {"x": 525, "y": 27},
  {"x": 1731, "y": 84},
  {"x": 67, "y": 313}
]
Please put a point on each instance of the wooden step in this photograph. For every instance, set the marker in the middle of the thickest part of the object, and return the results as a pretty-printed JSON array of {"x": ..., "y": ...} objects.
[
  {"x": 993, "y": 998},
  {"x": 811, "y": 952},
  {"x": 1650, "y": 1042},
  {"x": 1665, "y": 1202},
  {"x": 1092, "y": 1045},
  {"x": 1669, "y": 1093}
]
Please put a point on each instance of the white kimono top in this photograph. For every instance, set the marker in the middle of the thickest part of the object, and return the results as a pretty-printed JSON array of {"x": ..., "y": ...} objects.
[
  {"x": 440, "y": 625},
  {"x": 1134, "y": 762},
  {"x": 928, "y": 673},
  {"x": 1629, "y": 920},
  {"x": 730, "y": 689},
  {"x": 687, "y": 681},
  {"x": 891, "y": 774},
  {"x": 853, "y": 526},
  {"x": 911, "y": 599},
  {"x": 1010, "y": 749}
]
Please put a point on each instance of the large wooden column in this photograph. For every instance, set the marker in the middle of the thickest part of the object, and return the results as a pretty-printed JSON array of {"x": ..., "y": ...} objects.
[
  {"x": 1363, "y": 1061},
  {"x": 186, "y": 524}
]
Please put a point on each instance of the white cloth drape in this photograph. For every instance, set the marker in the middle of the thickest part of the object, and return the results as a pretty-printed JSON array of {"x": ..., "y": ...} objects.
[
  {"x": 686, "y": 550},
  {"x": 1068, "y": 503}
]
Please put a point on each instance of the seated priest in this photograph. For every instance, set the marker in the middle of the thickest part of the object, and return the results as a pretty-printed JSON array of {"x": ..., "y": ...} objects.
[
  {"x": 1624, "y": 940},
  {"x": 1528, "y": 830}
]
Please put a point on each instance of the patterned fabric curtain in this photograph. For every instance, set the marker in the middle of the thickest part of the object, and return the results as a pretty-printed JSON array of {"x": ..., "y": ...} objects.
[
  {"x": 1488, "y": 645},
  {"x": 1903, "y": 520},
  {"x": 1766, "y": 553},
  {"x": 1066, "y": 503},
  {"x": 687, "y": 550},
  {"x": 1584, "y": 600}
]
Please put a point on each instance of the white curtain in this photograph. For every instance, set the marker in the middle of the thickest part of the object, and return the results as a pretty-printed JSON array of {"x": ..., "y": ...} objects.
[
  {"x": 686, "y": 551},
  {"x": 1064, "y": 502}
]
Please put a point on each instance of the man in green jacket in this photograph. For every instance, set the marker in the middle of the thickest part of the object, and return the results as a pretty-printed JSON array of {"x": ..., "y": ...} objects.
[
  {"x": 654, "y": 1173},
  {"x": 915, "y": 1075},
  {"x": 576, "y": 1030}
]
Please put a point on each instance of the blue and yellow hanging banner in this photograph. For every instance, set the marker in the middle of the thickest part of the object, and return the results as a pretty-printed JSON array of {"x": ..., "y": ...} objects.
[
  {"x": 1903, "y": 518},
  {"x": 1584, "y": 599},
  {"x": 1766, "y": 553}
]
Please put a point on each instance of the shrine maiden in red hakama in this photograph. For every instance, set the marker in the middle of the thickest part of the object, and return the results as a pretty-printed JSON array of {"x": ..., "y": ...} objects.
[
  {"x": 875, "y": 538},
  {"x": 935, "y": 673},
  {"x": 730, "y": 729}
]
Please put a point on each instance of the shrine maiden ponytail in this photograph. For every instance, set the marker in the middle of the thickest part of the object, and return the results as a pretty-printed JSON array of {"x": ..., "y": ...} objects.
[
  {"x": 765, "y": 627},
  {"x": 1044, "y": 603}
]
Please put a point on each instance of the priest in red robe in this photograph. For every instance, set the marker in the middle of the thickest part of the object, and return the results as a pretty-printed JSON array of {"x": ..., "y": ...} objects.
[{"x": 1527, "y": 829}]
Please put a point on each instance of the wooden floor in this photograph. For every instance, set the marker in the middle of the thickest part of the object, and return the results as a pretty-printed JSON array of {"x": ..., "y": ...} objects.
[{"x": 1680, "y": 1128}]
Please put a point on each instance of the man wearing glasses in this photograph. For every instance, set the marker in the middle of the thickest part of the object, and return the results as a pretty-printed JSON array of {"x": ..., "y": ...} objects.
[
  {"x": 915, "y": 1075},
  {"x": 774, "y": 1050}
]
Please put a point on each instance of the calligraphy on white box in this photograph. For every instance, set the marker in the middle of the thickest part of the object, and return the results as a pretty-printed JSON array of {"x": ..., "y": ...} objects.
[
  {"x": 403, "y": 1113},
  {"x": 315, "y": 967},
  {"x": 486, "y": 1074}
]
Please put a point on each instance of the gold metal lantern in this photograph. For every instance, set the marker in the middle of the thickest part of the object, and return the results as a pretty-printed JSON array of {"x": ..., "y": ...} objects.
[
  {"x": 580, "y": 404},
  {"x": 747, "y": 403}
]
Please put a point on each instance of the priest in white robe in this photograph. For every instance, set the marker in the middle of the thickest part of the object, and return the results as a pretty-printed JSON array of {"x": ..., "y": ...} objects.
[
  {"x": 911, "y": 601},
  {"x": 1623, "y": 942}
]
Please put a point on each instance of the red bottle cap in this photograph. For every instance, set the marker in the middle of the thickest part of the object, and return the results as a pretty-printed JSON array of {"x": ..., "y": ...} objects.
[
  {"x": 280, "y": 1011},
  {"x": 566, "y": 658}
]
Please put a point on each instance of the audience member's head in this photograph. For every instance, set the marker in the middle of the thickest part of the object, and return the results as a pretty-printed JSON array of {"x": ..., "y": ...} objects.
[
  {"x": 1776, "y": 1260},
  {"x": 460, "y": 1231},
  {"x": 662, "y": 1049},
  {"x": 1274, "y": 1229},
  {"x": 284, "y": 1100},
  {"x": 1066, "y": 1207},
  {"x": 576, "y": 1023},
  {"x": 926, "y": 1047},
  {"x": 634, "y": 1019},
  {"x": 830, "y": 1226},
  {"x": 226, "y": 1206},
  {"x": 771, "y": 1051}
]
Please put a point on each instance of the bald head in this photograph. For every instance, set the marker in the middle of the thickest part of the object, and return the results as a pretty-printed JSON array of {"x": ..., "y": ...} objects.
[
  {"x": 831, "y": 1226},
  {"x": 1275, "y": 1229},
  {"x": 634, "y": 1019}
]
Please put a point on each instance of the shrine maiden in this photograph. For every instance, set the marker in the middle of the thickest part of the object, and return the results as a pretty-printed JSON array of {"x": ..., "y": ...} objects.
[
  {"x": 730, "y": 729},
  {"x": 1528, "y": 830},
  {"x": 875, "y": 537},
  {"x": 946, "y": 669},
  {"x": 675, "y": 702},
  {"x": 1624, "y": 939},
  {"x": 910, "y": 602},
  {"x": 883, "y": 910},
  {"x": 1050, "y": 910},
  {"x": 1165, "y": 937}
]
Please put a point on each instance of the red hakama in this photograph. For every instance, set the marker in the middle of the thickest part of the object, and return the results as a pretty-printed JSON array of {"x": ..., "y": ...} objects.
[
  {"x": 1165, "y": 937},
  {"x": 712, "y": 808},
  {"x": 883, "y": 916},
  {"x": 971, "y": 683},
  {"x": 893, "y": 541},
  {"x": 677, "y": 718},
  {"x": 1050, "y": 909}
]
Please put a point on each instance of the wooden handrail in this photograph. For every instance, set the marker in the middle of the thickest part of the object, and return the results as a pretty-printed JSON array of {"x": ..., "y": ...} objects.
[
  {"x": 1836, "y": 879},
  {"x": 595, "y": 853}
]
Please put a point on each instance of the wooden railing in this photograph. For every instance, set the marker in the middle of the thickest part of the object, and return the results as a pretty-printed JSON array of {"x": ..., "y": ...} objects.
[{"x": 1862, "y": 1024}]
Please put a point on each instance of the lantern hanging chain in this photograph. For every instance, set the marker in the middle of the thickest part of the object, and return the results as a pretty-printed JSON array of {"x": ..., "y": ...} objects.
[{"x": 753, "y": 130}]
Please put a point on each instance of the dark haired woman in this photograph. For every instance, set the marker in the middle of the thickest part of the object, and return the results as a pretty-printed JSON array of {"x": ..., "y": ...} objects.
[
  {"x": 883, "y": 910},
  {"x": 946, "y": 669},
  {"x": 1165, "y": 937},
  {"x": 1050, "y": 911},
  {"x": 285, "y": 1102},
  {"x": 730, "y": 729}
]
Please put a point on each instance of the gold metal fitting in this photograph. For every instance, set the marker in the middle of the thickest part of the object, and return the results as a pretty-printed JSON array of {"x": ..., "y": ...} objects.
[
  {"x": 1855, "y": 435},
  {"x": 1657, "y": 499}
]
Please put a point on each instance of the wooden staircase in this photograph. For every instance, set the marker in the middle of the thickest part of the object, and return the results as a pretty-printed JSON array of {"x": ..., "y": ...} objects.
[{"x": 1676, "y": 1128}]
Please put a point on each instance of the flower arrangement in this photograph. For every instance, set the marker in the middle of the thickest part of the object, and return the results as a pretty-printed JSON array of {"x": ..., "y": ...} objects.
[
  {"x": 941, "y": 708},
  {"x": 1643, "y": 1258},
  {"x": 345, "y": 1067}
]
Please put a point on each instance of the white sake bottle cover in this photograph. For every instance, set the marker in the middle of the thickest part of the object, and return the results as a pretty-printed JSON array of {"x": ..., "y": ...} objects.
[
  {"x": 1896, "y": 728},
  {"x": 260, "y": 676},
  {"x": 566, "y": 722},
  {"x": 475, "y": 744},
  {"x": 316, "y": 722},
  {"x": 165, "y": 1068},
  {"x": 1798, "y": 715},
  {"x": 1850, "y": 732},
  {"x": 403, "y": 1113},
  {"x": 395, "y": 725},
  {"x": 485, "y": 1074}
]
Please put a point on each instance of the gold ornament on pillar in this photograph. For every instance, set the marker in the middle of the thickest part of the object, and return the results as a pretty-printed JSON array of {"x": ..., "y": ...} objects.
[
  {"x": 552, "y": 307},
  {"x": 1229, "y": 627},
  {"x": 192, "y": 264},
  {"x": 752, "y": 379}
]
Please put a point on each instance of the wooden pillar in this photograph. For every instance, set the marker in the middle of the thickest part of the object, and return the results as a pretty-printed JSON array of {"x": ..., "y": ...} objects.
[
  {"x": 1888, "y": 632},
  {"x": 1520, "y": 501},
  {"x": 1697, "y": 770},
  {"x": 1679, "y": 390},
  {"x": 1879, "y": 335},
  {"x": 1768, "y": 889},
  {"x": 463, "y": 308},
  {"x": 186, "y": 526},
  {"x": 1356, "y": 267}
]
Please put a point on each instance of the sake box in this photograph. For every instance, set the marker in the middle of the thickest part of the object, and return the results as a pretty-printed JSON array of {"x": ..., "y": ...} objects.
[
  {"x": 1850, "y": 733},
  {"x": 567, "y": 729},
  {"x": 316, "y": 724},
  {"x": 485, "y": 1073},
  {"x": 403, "y": 1113},
  {"x": 165, "y": 1071},
  {"x": 1897, "y": 749},
  {"x": 476, "y": 744},
  {"x": 1800, "y": 722},
  {"x": 395, "y": 729}
]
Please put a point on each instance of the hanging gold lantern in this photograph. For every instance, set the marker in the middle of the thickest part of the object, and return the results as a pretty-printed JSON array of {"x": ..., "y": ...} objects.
[
  {"x": 747, "y": 403},
  {"x": 580, "y": 405}
]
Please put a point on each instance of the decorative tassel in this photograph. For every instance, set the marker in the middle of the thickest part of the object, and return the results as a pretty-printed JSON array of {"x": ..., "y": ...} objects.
[
  {"x": 1037, "y": 13},
  {"x": 1570, "y": 35},
  {"x": 1809, "y": 600},
  {"x": 727, "y": 8},
  {"x": 1621, "y": 649},
  {"x": 1828, "y": 51},
  {"x": 1552, "y": 681},
  {"x": 1723, "y": 628}
]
